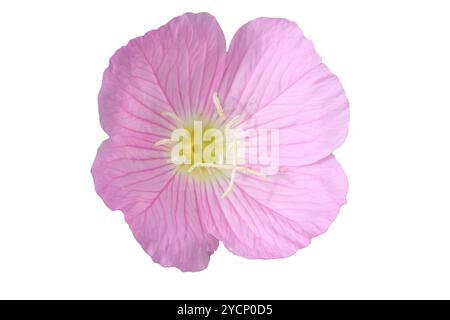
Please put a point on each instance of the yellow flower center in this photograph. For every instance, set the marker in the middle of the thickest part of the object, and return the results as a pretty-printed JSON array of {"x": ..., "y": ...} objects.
[{"x": 198, "y": 147}]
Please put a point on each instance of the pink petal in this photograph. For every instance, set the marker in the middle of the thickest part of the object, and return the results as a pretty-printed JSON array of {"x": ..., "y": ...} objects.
[
  {"x": 131, "y": 175},
  {"x": 129, "y": 169},
  {"x": 172, "y": 69},
  {"x": 274, "y": 79},
  {"x": 170, "y": 228},
  {"x": 274, "y": 218}
]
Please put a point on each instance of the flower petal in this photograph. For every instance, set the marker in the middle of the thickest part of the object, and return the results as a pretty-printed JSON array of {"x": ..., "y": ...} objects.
[
  {"x": 129, "y": 169},
  {"x": 159, "y": 205},
  {"x": 274, "y": 218},
  {"x": 173, "y": 69},
  {"x": 275, "y": 79},
  {"x": 170, "y": 229}
]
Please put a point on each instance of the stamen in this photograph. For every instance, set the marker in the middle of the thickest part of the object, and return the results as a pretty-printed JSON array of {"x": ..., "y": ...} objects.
[
  {"x": 234, "y": 121},
  {"x": 233, "y": 172},
  {"x": 219, "y": 107},
  {"x": 163, "y": 142},
  {"x": 230, "y": 184},
  {"x": 250, "y": 171},
  {"x": 209, "y": 165},
  {"x": 171, "y": 115},
  {"x": 226, "y": 167}
]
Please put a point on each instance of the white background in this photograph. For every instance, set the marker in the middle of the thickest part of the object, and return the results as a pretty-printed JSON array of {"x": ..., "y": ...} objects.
[{"x": 58, "y": 240}]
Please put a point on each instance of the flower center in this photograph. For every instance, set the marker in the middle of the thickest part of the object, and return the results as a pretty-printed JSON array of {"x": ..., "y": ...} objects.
[{"x": 198, "y": 148}]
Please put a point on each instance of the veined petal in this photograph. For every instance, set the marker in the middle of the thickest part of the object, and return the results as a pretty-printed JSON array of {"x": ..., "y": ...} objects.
[
  {"x": 173, "y": 69},
  {"x": 273, "y": 218},
  {"x": 132, "y": 175},
  {"x": 165, "y": 75},
  {"x": 275, "y": 79},
  {"x": 170, "y": 228},
  {"x": 130, "y": 169}
]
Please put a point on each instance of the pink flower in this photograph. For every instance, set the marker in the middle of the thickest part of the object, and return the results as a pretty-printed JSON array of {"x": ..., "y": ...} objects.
[{"x": 270, "y": 77}]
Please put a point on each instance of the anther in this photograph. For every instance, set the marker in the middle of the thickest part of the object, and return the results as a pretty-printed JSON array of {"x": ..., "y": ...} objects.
[
  {"x": 171, "y": 115},
  {"x": 163, "y": 142},
  {"x": 219, "y": 107}
]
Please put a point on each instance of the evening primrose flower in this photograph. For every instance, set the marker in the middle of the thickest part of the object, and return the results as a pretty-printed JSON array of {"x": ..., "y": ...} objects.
[{"x": 168, "y": 102}]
